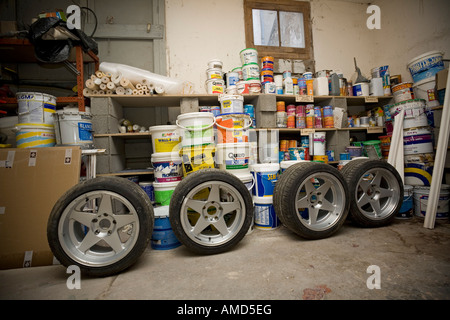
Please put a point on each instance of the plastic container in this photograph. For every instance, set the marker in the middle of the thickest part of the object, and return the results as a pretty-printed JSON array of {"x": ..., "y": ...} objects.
[
  {"x": 425, "y": 89},
  {"x": 248, "y": 55},
  {"x": 233, "y": 157},
  {"x": 414, "y": 115},
  {"x": 265, "y": 175},
  {"x": 35, "y": 107},
  {"x": 73, "y": 128},
  {"x": 265, "y": 217},
  {"x": 163, "y": 192},
  {"x": 165, "y": 138},
  {"x": 421, "y": 194},
  {"x": 196, "y": 128},
  {"x": 195, "y": 158},
  {"x": 426, "y": 65},
  {"x": 167, "y": 166},
  {"x": 231, "y": 103},
  {"x": 35, "y": 135},
  {"x": 233, "y": 127}
]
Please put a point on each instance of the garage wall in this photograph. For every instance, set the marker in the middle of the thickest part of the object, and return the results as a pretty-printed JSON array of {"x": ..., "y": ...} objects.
[{"x": 200, "y": 30}]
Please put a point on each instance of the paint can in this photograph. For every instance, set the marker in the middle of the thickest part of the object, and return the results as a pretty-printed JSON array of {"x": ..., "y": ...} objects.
[
  {"x": 406, "y": 210},
  {"x": 385, "y": 145},
  {"x": 250, "y": 70},
  {"x": 215, "y": 63},
  {"x": 243, "y": 87},
  {"x": 215, "y": 86},
  {"x": 309, "y": 116},
  {"x": 233, "y": 157},
  {"x": 425, "y": 89},
  {"x": 165, "y": 138},
  {"x": 402, "y": 92},
  {"x": 265, "y": 176},
  {"x": 232, "y": 78},
  {"x": 426, "y": 65},
  {"x": 167, "y": 166},
  {"x": 248, "y": 55},
  {"x": 354, "y": 151},
  {"x": 419, "y": 169},
  {"x": 254, "y": 85},
  {"x": 196, "y": 128},
  {"x": 417, "y": 140},
  {"x": 376, "y": 87},
  {"x": 163, "y": 237},
  {"x": 231, "y": 103},
  {"x": 361, "y": 89},
  {"x": 233, "y": 127},
  {"x": 34, "y": 135},
  {"x": 421, "y": 195},
  {"x": 414, "y": 115},
  {"x": 319, "y": 140},
  {"x": 35, "y": 107},
  {"x": 297, "y": 153},
  {"x": 373, "y": 149},
  {"x": 281, "y": 119},
  {"x": 73, "y": 128},
  {"x": 163, "y": 192},
  {"x": 147, "y": 186},
  {"x": 196, "y": 158},
  {"x": 265, "y": 217},
  {"x": 214, "y": 73}
]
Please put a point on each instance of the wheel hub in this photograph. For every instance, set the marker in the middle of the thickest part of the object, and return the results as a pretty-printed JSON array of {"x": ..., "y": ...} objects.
[
  {"x": 212, "y": 211},
  {"x": 103, "y": 225}
]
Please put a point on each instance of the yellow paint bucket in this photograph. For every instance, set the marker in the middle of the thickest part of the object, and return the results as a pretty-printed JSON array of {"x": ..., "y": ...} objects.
[{"x": 195, "y": 158}]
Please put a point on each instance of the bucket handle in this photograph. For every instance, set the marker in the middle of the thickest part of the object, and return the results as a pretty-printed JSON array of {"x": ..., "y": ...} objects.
[
  {"x": 200, "y": 129},
  {"x": 232, "y": 129}
]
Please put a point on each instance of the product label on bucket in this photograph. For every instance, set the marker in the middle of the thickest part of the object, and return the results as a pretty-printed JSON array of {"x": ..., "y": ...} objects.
[
  {"x": 85, "y": 131},
  {"x": 236, "y": 161},
  {"x": 265, "y": 216}
]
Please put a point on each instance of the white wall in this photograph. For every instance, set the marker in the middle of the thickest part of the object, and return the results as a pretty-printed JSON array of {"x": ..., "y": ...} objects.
[{"x": 200, "y": 30}]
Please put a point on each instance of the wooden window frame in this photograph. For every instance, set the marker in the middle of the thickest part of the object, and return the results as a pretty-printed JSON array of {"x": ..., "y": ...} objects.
[{"x": 280, "y": 5}]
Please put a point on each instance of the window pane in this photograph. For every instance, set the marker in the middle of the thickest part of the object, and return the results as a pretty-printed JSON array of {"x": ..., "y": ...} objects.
[
  {"x": 265, "y": 27},
  {"x": 292, "y": 32}
]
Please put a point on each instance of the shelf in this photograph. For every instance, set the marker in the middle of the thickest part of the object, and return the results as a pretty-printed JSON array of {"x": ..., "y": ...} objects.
[
  {"x": 126, "y": 173},
  {"x": 130, "y": 135}
]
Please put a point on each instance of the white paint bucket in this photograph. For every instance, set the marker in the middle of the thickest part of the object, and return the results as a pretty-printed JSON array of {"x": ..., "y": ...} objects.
[
  {"x": 319, "y": 139},
  {"x": 287, "y": 163},
  {"x": 361, "y": 89},
  {"x": 214, "y": 73},
  {"x": 426, "y": 65},
  {"x": 376, "y": 87},
  {"x": 163, "y": 192},
  {"x": 421, "y": 195},
  {"x": 232, "y": 79},
  {"x": 265, "y": 175},
  {"x": 74, "y": 128},
  {"x": 415, "y": 115},
  {"x": 425, "y": 89},
  {"x": 402, "y": 92},
  {"x": 167, "y": 166},
  {"x": 165, "y": 138},
  {"x": 34, "y": 135},
  {"x": 250, "y": 71},
  {"x": 417, "y": 140},
  {"x": 248, "y": 55},
  {"x": 214, "y": 86},
  {"x": 196, "y": 128},
  {"x": 233, "y": 157},
  {"x": 231, "y": 103},
  {"x": 35, "y": 107},
  {"x": 215, "y": 63},
  {"x": 233, "y": 127},
  {"x": 265, "y": 217}
]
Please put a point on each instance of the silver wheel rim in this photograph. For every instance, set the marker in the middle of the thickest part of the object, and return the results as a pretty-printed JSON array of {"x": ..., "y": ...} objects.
[
  {"x": 212, "y": 213},
  {"x": 377, "y": 193},
  {"x": 98, "y": 228},
  {"x": 320, "y": 201}
]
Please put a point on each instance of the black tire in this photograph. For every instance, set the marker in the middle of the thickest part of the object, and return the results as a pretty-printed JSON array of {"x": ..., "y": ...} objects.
[
  {"x": 327, "y": 197},
  {"x": 83, "y": 231},
  {"x": 207, "y": 228},
  {"x": 376, "y": 192}
]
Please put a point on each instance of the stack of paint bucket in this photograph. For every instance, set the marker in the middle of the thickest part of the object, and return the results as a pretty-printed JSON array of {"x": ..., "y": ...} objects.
[
  {"x": 214, "y": 77},
  {"x": 167, "y": 168},
  {"x": 290, "y": 112},
  {"x": 265, "y": 176},
  {"x": 319, "y": 147},
  {"x": 250, "y": 110},
  {"x": 197, "y": 141},
  {"x": 309, "y": 115},
  {"x": 233, "y": 147},
  {"x": 35, "y": 126},
  {"x": 300, "y": 116},
  {"x": 267, "y": 77},
  {"x": 281, "y": 115},
  {"x": 250, "y": 71}
]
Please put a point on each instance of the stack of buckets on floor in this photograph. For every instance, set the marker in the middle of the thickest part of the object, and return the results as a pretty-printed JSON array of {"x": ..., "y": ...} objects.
[
  {"x": 36, "y": 123},
  {"x": 418, "y": 143},
  {"x": 167, "y": 166}
]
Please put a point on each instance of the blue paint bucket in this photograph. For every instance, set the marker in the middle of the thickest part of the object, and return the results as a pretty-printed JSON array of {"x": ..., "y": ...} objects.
[
  {"x": 406, "y": 210},
  {"x": 147, "y": 186},
  {"x": 265, "y": 217},
  {"x": 163, "y": 237},
  {"x": 265, "y": 176}
]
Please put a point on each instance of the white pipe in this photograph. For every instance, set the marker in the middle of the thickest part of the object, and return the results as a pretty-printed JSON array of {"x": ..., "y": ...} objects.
[{"x": 438, "y": 169}]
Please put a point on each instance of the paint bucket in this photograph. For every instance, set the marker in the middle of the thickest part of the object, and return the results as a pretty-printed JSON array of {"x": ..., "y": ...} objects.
[
  {"x": 250, "y": 71},
  {"x": 246, "y": 177},
  {"x": 265, "y": 217},
  {"x": 287, "y": 163},
  {"x": 214, "y": 73},
  {"x": 163, "y": 192},
  {"x": 196, "y": 128},
  {"x": 414, "y": 115},
  {"x": 419, "y": 169},
  {"x": 373, "y": 149},
  {"x": 319, "y": 139},
  {"x": 254, "y": 85},
  {"x": 248, "y": 55},
  {"x": 147, "y": 186},
  {"x": 354, "y": 151},
  {"x": 233, "y": 157},
  {"x": 231, "y": 103},
  {"x": 73, "y": 128},
  {"x": 167, "y": 166},
  {"x": 163, "y": 237},
  {"x": 214, "y": 86},
  {"x": 265, "y": 175},
  {"x": 421, "y": 195},
  {"x": 34, "y": 135},
  {"x": 297, "y": 153},
  {"x": 385, "y": 145},
  {"x": 215, "y": 63},
  {"x": 361, "y": 89},
  {"x": 406, "y": 210},
  {"x": 425, "y": 89},
  {"x": 320, "y": 158},
  {"x": 232, "y": 78},
  {"x": 402, "y": 92},
  {"x": 376, "y": 87},
  {"x": 165, "y": 138},
  {"x": 243, "y": 87},
  {"x": 426, "y": 65},
  {"x": 344, "y": 156},
  {"x": 417, "y": 140},
  {"x": 233, "y": 127},
  {"x": 35, "y": 107},
  {"x": 342, "y": 163},
  {"x": 195, "y": 158}
]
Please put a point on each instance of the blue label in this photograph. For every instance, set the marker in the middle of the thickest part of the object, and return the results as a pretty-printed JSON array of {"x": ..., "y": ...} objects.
[
  {"x": 265, "y": 216},
  {"x": 265, "y": 183},
  {"x": 85, "y": 131}
]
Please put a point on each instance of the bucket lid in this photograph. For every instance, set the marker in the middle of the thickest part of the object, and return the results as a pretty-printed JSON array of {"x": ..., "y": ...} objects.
[
  {"x": 163, "y": 127},
  {"x": 263, "y": 200},
  {"x": 168, "y": 185},
  {"x": 165, "y": 156},
  {"x": 190, "y": 115},
  {"x": 231, "y": 96},
  {"x": 247, "y": 49},
  {"x": 429, "y": 53},
  {"x": 287, "y": 163},
  {"x": 407, "y": 101},
  {"x": 265, "y": 167}
]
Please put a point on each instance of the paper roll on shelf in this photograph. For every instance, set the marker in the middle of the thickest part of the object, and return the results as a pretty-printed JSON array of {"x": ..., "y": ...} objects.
[{"x": 126, "y": 83}]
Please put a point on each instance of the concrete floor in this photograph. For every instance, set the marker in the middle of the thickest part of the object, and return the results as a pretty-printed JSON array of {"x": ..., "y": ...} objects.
[{"x": 414, "y": 263}]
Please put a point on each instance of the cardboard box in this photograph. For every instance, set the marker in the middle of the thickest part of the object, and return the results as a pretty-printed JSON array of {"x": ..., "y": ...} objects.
[
  {"x": 31, "y": 181},
  {"x": 441, "y": 84}
]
